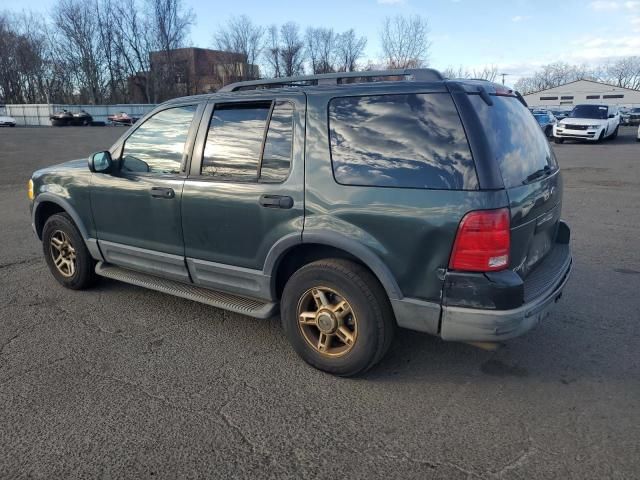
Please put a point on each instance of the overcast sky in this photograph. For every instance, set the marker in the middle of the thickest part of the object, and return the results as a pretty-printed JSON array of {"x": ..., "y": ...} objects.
[{"x": 517, "y": 36}]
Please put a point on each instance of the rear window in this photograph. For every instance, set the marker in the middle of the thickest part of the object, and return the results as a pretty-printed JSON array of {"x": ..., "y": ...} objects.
[
  {"x": 405, "y": 140},
  {"x": 519, "y": 144}
]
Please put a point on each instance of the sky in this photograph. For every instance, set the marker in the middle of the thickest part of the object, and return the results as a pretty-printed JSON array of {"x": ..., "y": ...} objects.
[{"x": 517, "y": 36}]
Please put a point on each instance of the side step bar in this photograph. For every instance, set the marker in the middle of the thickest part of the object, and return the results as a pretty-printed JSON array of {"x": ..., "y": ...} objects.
[{"x": 227, "y": 301}]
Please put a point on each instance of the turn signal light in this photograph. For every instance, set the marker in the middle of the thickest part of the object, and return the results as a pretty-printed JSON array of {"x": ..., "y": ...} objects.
[
  {"x": 482, "y": 242},
  {"x": 30, "y": 189}
]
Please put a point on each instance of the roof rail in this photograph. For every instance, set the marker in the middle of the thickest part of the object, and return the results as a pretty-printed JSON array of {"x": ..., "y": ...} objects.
[{"x": 411, "y": 74}]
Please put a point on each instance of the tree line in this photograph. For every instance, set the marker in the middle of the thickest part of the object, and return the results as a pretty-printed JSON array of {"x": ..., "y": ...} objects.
[
  {"x": 621, "y": 72},
  {"x": 88, "y": 50},
  {"x": 96, "y": 51}
]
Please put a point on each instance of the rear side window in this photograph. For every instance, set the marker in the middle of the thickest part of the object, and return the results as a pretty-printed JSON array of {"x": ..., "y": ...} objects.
[
  {"x": 239, "y": 147},
  {"x": 517, "y": 140},
  {"x": 404, "y": 140}
]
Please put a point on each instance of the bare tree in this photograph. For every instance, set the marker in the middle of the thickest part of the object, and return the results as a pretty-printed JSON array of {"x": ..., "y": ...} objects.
[
  {"x": 77, "y": 44},
  {"x": 291, "y": 50},
  {"x": 349, "y": 49},
  {"x": 488, "y": 72},
  {"x": 241, "y": 36},
  {"x": 405, "y": 41},
  {"x": 170, "y": 23},
  {"x": 553, "y": 75},
  {"x": 272, "y": 51},
  {"x": 320, "y": 49},
  {"x": 623, "y": 72}
]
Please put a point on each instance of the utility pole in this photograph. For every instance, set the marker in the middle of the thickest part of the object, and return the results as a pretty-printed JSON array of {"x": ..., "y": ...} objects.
[{"x": 503, "y": 75}]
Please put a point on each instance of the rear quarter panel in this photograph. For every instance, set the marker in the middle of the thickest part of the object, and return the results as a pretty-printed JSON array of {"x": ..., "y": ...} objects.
[{"x": 410, "y": 230}]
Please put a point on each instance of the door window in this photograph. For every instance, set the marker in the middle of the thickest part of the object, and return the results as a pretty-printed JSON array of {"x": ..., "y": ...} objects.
[
  {"x": 240, "y": 147},
  {"x": 157, "y": 146}
]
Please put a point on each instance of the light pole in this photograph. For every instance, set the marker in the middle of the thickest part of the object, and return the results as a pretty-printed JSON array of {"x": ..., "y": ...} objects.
[{"x": 503, "y": 75}]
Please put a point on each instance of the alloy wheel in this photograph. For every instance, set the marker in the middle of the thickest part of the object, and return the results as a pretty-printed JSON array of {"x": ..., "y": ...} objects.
[
  {"x": 327, "y": 321},
  {"x": 62, "y": 253}
]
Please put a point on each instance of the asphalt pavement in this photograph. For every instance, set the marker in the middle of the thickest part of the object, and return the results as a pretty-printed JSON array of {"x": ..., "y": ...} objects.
[{"x": 122, "y": 382}]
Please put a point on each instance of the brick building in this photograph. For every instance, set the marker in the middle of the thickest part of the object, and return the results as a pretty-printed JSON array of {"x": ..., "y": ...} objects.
[{"x": 188, "y": 71}]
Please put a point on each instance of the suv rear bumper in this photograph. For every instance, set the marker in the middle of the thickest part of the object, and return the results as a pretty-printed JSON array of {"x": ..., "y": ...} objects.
[{"x": 487, "y": 325}]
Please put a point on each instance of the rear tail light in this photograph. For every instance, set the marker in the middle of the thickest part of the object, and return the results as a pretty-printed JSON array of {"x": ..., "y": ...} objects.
[{"x": 482, "y": 242}]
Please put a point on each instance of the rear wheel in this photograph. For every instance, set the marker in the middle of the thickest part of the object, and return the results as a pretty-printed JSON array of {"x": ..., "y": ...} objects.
[
  {"x": 66, "y": 253},
  {"x": 337, "y": 316}
]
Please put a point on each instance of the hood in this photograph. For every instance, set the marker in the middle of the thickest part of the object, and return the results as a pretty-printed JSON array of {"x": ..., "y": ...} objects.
[
  {"x": 71, "y": 165},
  {"x": 582, "y": 121}
]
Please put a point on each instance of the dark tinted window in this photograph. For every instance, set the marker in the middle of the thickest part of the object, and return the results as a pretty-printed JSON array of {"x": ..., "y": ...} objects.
[
  {"x": 234, "y": 141},
  {"x": 413, "y": 140},
  {"x": 515, "y": 137},
  {"x": 157, "y": 146},
  {"x": 597, "y": 112},
  {"x": 276, "y": 158}
]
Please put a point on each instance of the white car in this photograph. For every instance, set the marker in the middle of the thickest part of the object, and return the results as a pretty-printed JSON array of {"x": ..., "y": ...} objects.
[
  {"x": 638, "y": 137},
  {"x": 7, "y": 121},
  {"x": 588, "y": 122}
]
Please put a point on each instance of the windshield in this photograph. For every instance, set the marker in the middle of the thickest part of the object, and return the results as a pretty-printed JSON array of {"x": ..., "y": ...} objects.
[
  {"x": 635, "y": 110},
  {"x": 589, "y": 111}
]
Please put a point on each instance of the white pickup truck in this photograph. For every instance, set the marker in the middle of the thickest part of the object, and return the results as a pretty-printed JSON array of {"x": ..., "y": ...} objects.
[{"x": 588, "y": 122}]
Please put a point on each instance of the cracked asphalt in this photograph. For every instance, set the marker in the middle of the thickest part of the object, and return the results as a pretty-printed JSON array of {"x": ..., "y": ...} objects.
[{"x": 121, "y": 382}]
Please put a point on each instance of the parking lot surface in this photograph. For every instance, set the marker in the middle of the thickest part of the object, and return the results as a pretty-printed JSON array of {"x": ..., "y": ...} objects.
[{"x": 119, "y": 381}]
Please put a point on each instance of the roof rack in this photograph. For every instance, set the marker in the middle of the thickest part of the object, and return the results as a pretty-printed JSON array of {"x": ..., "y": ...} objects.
[{"x": 410, "y": 74}]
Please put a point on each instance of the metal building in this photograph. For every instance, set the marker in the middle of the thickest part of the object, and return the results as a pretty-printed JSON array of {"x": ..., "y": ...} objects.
[{"x": 584, "y": 91}]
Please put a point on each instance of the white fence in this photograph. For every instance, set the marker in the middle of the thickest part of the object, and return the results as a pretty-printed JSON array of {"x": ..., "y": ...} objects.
[{"x": 38, "y": 114}]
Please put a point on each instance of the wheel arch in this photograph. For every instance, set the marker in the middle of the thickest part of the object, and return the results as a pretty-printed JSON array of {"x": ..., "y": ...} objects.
[
  {"x": 46, "y": 205},
  {"x": 282, "y": 262}
]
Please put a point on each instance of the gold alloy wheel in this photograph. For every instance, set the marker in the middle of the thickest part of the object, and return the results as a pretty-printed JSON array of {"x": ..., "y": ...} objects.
[
  {"x": 327, "y": 321},
  {"x": 62, "y": 253}
]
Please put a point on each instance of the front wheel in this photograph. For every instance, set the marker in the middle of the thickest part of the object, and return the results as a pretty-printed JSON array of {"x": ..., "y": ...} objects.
[
  {"x": 558, "y": 140},
  {"x": 337, "y": 316},
  {"x": 615, "y": 133},
  {"x": 66, "y": 253}
]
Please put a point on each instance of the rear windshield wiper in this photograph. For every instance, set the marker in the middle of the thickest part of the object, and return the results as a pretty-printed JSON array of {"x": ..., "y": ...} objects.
[{"x": 543, "y": 172}]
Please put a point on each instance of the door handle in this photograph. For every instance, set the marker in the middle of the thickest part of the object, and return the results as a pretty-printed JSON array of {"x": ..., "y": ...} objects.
[
  {"x": 276, "y": 201},
  {"x": 162, "y": 192}
]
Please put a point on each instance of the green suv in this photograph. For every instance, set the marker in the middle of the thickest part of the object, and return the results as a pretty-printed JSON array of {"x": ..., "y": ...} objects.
[{"x": 350, "y": 203}]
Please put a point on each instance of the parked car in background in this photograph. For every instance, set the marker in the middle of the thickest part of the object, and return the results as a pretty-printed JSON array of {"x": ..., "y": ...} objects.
[
  {"x": 588, "y": 122},
  {"x": 61, "y": 118},
  {"x": 546, "y": 120},
  {"x": 560, "y": 114},
  {"x": 638, "y": 136},
  {"x": 122, "y": 118},
  {"x": 66, "y": 118},
  {"x": 7, "y": 121},
  {"x": 351, "y": 206},
  {"x": 634, "y": 116}
]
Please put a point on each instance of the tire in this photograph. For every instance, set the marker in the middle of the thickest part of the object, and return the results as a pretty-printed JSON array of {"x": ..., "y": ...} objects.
[
  {"x": 601, "y": 137},
  {"x": 82, "y": 274},
  {"x": 548, "y": 132},
  {"x": 558, "y": 140},
  {"x": 370, "y": 321}
]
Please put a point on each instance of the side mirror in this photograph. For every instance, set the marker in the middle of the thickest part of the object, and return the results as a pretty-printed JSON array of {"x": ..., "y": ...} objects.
[{"x": 101, "y": 162}]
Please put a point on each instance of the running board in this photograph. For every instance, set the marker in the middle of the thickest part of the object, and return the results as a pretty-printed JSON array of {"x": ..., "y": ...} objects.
[{"x": 227, "y": 301}]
